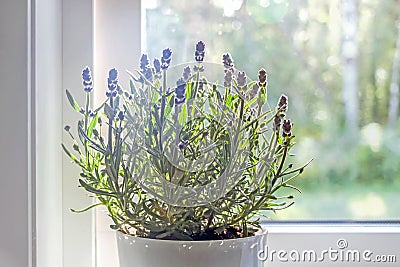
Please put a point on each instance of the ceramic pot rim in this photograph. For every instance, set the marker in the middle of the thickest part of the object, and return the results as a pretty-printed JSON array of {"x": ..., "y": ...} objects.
[{"x": 258, "y": 234}]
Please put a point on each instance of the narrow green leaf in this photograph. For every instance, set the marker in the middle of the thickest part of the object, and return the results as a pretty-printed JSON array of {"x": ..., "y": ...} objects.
[
  {"x": 155, "y": 97},
  {"x": 108, "y": 111},
  {"x": 92, "y": 125},
  {"x": 183, "y": 115},
  {"x": 86, "y": 209},
  {"x": 152, "y": 213},
  {"x": 94, "y": 190},
  {"x": 292, "y": 187},
  {"x": 262, "y": 97},
  {"x": 168, "y": 108},
  {"x": 93, "y": 144},
  {"x": 116, "y": 103},
  {"x": 81, "y": 137},
  {"x": 218, "y": 94},
  {"x": 70, "y": 155},
  {"x": 133, "y": 87},
  {"x": 72, "y": 101},
  {"x": 251, "y": 102},
  {"x": 228, "y": 101},
  {"x": 250, "y": 85},
  {"x": 189, "y": 89}
]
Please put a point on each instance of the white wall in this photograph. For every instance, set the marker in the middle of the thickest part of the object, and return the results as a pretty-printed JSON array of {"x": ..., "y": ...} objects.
[{"x": 15, "y": 131}]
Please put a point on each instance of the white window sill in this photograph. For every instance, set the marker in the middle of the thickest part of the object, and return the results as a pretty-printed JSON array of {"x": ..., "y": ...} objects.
[{"x": 374, "y": 239}]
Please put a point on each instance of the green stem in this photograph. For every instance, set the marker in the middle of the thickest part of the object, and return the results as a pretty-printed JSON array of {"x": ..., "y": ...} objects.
[
  {"x": 281, "y": 164},
  {"x": 86, "y": 128},
  {"x": 162, "y": 119},
  {"x": 197, "y": 80},
  {"x": 110, "y": 127},
  {"x": 87, "y": 110},
  {"x": 163, "y": 98}
]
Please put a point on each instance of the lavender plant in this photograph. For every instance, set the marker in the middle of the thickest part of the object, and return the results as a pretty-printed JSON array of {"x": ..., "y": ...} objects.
[{"x": 188, "y": 152}]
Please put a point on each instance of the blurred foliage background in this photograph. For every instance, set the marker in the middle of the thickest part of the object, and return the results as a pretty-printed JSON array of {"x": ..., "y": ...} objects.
[{"x": 338, "y": 61}]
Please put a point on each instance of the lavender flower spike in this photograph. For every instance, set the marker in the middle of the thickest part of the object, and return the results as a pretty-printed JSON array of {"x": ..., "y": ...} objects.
[
  {"x": 186, "y": 73},
  {"x": 228, "y": 78},
  {"x": 144, "y": 63},
  {"x": 283, "y": 103},
  {"x": 227, "y": 61},
  {"x": 287, "y": 128},
  {"x": 262, "y": 78},
  {"x": 241, "y": 79},
  {"x": 157, "y": 65},
  {"x": 180, "y": 91},
  {"x": 112, "y": 81},
  {"x": 87, "y": 80},
  {"x": 166, "y": 58},
  {"x": 199, "y": 53}
]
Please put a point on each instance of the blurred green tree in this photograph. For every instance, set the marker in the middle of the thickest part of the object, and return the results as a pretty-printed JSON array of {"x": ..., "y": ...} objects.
[{"x": 304, "y": 45}]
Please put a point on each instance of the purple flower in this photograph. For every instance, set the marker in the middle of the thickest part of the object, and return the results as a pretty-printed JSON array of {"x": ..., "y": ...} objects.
[
  {"x": 198, "y": 69},
  {"x": 241, "y": 80},
  {"x": 144, "y": 63},
  {"x": 199, "y": 53},
  {"x": 112, "y": 79},
  {"x": 148, "y": 74},
  {"x": 157, "y": 65},
  {"x": 254, "y": 90},
  {"x": 262, "y": 77},
  {"x": 186, "y": 73},
  {"x": 113, "y": 74},
  {"x": 277, "y": 120},
  {"x": 287, "y": 128},
  {"x": 182, "y": 145},
  {"x": 227, "y": 61},
  {"x": 145, "y": 68},
  {"x": 180, "y": 91},
  {"x": 121, "y": 115},
  {"x": 282, "y": 103},
  {"x": 166, "y": 58},
  {"x": 87, "y": 80},
  {"x": 228, "y": 78}
]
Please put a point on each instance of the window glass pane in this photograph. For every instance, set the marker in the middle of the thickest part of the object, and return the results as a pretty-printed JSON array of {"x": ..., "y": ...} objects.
[{"x": 336, "y": 60}]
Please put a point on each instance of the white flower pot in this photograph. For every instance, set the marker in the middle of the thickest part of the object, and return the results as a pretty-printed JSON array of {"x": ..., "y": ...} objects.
[{"x": 145, "y": 252}]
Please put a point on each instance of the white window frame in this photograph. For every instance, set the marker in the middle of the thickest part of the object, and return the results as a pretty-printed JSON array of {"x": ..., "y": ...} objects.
[
  {"x": 17, "y": 144},
  {"x": 67, "y": 36},
  {"x": 60, "y": 44}
]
